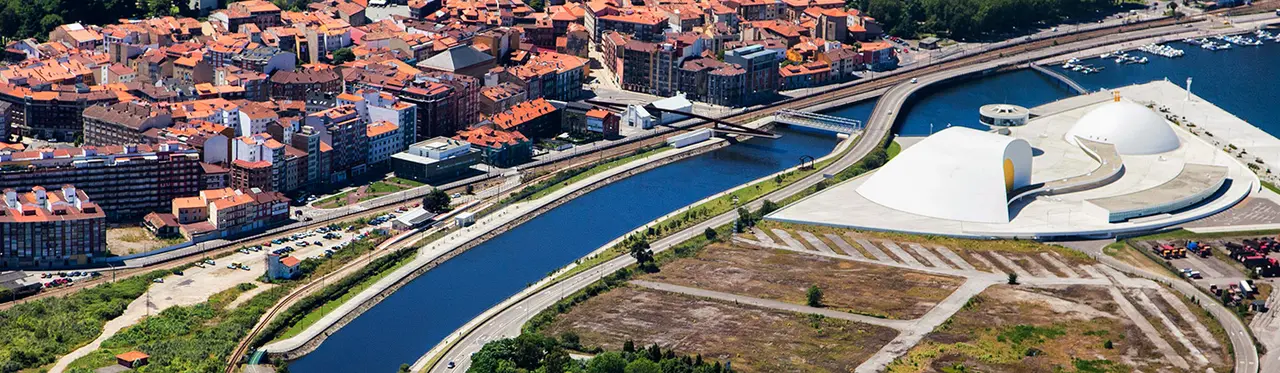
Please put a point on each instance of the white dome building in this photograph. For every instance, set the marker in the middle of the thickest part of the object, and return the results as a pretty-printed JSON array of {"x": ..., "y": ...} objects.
[
  {"x": 957, "y": 174},
  {"x": 1134, "y": 129}
]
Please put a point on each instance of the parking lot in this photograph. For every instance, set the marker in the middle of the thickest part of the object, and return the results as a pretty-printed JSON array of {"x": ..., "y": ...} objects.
[{"x": 244, "y": 265}]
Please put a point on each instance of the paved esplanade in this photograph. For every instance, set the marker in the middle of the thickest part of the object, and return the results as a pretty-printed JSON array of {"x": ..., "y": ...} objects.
[{"x": 508, "y": 322}]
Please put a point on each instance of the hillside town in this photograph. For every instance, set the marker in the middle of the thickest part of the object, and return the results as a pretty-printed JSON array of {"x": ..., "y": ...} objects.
[{"x": 183, "y": 125}]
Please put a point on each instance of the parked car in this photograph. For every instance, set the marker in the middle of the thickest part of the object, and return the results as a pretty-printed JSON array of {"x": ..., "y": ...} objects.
[{"x": 158, "y": 280}]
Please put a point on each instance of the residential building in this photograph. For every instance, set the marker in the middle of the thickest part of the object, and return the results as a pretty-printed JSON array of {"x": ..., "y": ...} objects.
[
  {"x": 265, "y": 60},
  {"x": 602, "y": 122},
  {"x": 808, "y": 74},
  {"x": 499, "y": 148},
  {"x": 761, "y": 67},
  {"x": 537, "y": 118},
  {"x": 126, "y": 181},
  {"x": 302, "y": 83},
  {"x": 346, "y": 132},
  {"x": 709, "y": 80},
  {"x": 282, "y": 267},
  {"x": 384, "y": 140},
  {"x": 214, "y": 177},
  {"x": 435, "y": 159},
  {"x": 51, "y": 114},
  {"x": 552, "y": 75},
  {"x": 501, "y": 97},
  {"x": 122, "y": 123},
  {"x": 246, "y": 175},
  {"x": 878, "y": 55},
  {"x": 44, "y": 229}
]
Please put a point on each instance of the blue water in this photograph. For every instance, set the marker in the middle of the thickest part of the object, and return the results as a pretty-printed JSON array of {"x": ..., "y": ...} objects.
[
  {"x": 412, "y": 320},
  {"x": 957, "y": 104},
  {"x": 1240, "y": 80}
]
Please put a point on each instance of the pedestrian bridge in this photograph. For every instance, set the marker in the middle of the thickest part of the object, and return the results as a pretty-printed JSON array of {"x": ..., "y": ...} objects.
[
  {"x": 817, "y": 121},
  {"x": 1059, "y": 77}
]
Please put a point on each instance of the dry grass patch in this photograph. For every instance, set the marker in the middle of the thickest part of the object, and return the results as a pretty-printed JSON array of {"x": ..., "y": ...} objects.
[
  {"x": 958, "y": 245},
  {"x": 783, "y": 275},
  {"x": 753, "y": 339},
  {"x": 1025, "y": 329}
]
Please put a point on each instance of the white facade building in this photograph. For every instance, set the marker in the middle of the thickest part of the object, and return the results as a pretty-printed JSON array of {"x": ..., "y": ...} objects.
[{"x": 958, "y": 174}]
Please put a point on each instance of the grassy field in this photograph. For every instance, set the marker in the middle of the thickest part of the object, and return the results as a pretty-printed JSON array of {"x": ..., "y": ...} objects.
[
  {"x": 785, "y": 275},
  {"x": 1022, "y": 329},
  {"x": 547, "y": 190},
  {"x": 195, "y": 338},
  {"x": 329, "y": 306},
  {"x": 752, "y": 339},
  {"x": 375, "y": 190}
]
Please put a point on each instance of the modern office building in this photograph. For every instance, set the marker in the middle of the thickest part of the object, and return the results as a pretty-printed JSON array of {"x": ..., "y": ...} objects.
[{"x": 435, "y": 159}]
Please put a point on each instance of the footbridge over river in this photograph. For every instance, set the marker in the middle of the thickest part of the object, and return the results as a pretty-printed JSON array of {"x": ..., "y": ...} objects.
[{"x": 1059, "y": 77}]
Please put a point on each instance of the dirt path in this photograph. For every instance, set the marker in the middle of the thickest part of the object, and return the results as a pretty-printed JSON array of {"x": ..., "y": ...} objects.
[
  {"x": 788, "y": 240},
  {"x": 1147, "y": 329},
  {"x": 985, "y": 262},
  {"x": 955, "y": 259},
  {"x": 1009, "y": 264},
  {"x": 902, "y": 254},
  {"x": 844, "y": 246},
  {"x": 246, "y": 296},
  {"x": 923, "y": 326},
  {"x": 1170, "y": 327},
  {"x": 817, "y": 243},
  {"x": 928, "y": 255},
  {"x": 766, "y": 303},
  {"x": 1186, "y": 315},
  {"x": 762, "y": 236},
  {"x": 1053, "y": 261},
  {"x": 875, "y": 251}
]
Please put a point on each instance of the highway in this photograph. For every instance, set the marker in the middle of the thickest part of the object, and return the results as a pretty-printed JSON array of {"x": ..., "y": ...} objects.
[{"x": 508, "y": 322}]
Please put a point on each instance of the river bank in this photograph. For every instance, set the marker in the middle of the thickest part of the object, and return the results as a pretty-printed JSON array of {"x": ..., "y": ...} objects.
[{"x": 460, "y": 241}]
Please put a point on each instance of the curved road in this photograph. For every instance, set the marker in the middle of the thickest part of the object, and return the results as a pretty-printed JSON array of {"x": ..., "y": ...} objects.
[{"x": 508, "y": 322}]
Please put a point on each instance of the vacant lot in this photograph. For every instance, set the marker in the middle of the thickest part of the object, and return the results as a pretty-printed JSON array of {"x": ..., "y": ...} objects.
[
  {"x": 1022, "y": 329},
  {"x": 753, "y": 339},
  {"x": 133, "y": 240},
  {"x": 964, "y": 247},
  {"x": 785, "y": 275}
]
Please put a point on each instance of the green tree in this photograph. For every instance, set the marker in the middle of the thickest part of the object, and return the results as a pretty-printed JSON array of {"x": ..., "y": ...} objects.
[
  {"x": 767, "y": 207},
  {"x": 437, "y": 201},
  {"x": 343, "y": 55},
  {"x": 1013, "y": 278},
  {"x": 404, "y": 368},
  {"x": 643, "y": 365},
  {"x": 608, "y": 362},
  {"x": 710, "y": 234},
  {"x": 639, "y": 249},
  {"x": 1108, "y": 345},
  {"x": 814, "y": 296}
]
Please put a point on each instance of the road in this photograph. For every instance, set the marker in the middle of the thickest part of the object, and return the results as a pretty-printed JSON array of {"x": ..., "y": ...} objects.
[{"x": 508, "y": 322}]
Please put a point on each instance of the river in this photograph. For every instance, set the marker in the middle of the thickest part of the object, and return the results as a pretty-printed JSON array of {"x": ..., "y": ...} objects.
[{"x": 412, "y": 320}]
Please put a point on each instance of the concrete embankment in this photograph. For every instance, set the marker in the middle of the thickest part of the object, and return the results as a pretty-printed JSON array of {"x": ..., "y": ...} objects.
[{"x": 460, "y": 241}]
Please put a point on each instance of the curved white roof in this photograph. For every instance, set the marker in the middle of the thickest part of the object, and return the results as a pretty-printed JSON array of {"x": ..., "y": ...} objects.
[
  {"x": 957, "y": 174},
  {"x": 1134, "y": 129}
]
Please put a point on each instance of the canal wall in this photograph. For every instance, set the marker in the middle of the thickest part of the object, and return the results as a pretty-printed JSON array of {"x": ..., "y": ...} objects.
[{"x": 430, "y": 257}]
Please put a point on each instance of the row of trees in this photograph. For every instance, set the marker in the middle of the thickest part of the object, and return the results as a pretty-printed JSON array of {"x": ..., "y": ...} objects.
[
  {"x": 532, "y": 352},
  {"x": 966, "y": 19},
  {"x": 21, "y": 19}
]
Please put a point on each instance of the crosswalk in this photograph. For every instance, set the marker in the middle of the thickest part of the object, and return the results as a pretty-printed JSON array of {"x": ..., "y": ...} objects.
[{"x": 933, "y": 257}]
